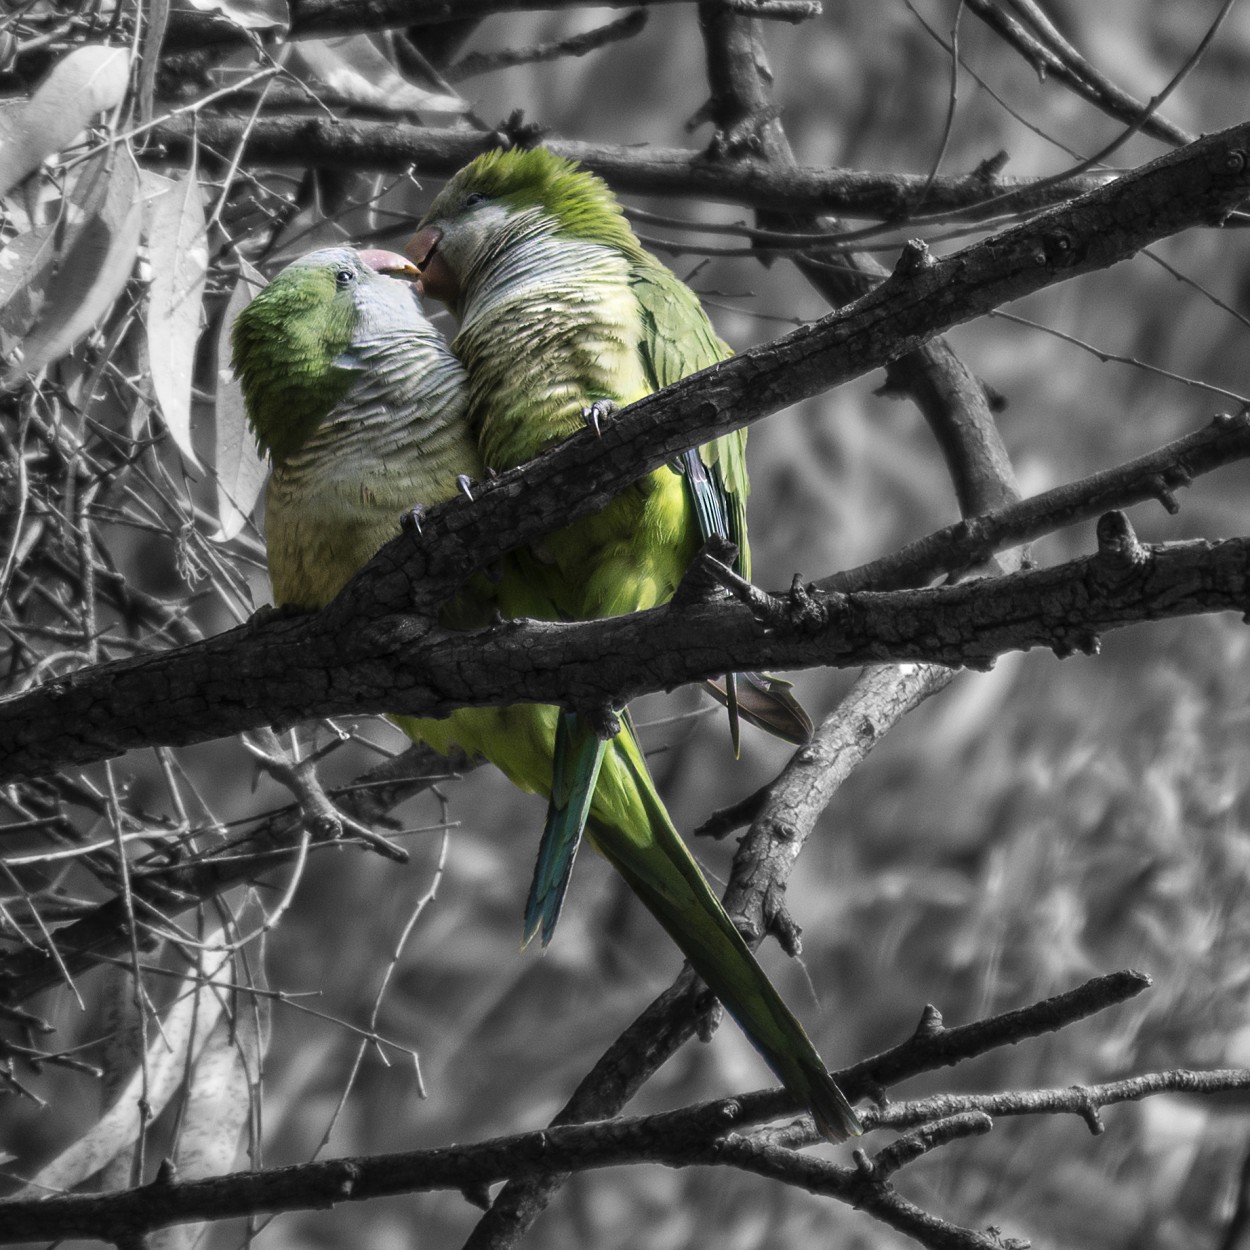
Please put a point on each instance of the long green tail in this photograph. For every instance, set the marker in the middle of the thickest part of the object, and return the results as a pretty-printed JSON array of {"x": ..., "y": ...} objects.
[
  {"x": 630, "y": 827},
  {"x": 649, "y": 853}
]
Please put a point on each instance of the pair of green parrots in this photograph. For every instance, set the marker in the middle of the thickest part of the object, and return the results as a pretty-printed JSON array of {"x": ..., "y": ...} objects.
[{"x": 365, "y": 412}]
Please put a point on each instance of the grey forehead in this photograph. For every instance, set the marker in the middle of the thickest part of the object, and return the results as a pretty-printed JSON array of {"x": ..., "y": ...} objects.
[{"x": 329, "y": 256}]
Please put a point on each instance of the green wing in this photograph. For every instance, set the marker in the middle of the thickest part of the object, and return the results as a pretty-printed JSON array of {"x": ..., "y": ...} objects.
[{"x": 678, "y": 339}]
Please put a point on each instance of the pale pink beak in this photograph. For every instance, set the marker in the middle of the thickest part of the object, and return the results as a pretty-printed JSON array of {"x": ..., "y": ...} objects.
[{"x": 390, "y": 263}]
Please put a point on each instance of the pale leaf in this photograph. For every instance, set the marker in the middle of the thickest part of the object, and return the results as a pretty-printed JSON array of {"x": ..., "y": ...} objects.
[
  {"x": 353, "y": 70},
  {"x": 28, "y": 262},
  {"x": 25, "y": 263},
  {"x": 80, "y": 85},
  {"x": 250, "y": 14},
  {"x": 120, "y": 1055},
  {"x": 240, "y": 470},
  {"x": 92, "y": 272},
  {"x": 217, "y": 1106},
  {"x": 178, "y": 250},
  {"x": 219, "y": 1098},
  {"x": 183, "y": 1031}
]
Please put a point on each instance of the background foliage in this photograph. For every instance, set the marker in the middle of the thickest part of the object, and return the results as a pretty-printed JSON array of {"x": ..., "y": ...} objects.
[{"x": 1025, "y": 830}]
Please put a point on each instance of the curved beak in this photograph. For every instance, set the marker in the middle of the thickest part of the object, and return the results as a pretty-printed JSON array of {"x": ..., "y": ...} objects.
[
  {"x": 437, "y": 277},
  {"x": 390, "y": 263},
  {"x": 421, "y": 247}
]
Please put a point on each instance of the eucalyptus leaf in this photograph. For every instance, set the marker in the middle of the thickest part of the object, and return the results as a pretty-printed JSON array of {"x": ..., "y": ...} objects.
[
  {"x": 178, "y": 250},
  {"x": 80, "y": 85}
]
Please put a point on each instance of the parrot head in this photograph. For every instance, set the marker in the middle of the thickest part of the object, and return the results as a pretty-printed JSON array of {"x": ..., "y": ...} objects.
[
  {"x": 501, "y": 200},
  {"x": 292, "y": 345}
]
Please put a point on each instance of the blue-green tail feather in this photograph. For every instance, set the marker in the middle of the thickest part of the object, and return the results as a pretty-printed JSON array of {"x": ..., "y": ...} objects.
[{"x": 578, "y": 757}]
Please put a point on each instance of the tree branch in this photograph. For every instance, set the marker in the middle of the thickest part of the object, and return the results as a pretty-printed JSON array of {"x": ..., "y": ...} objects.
[
  {"x": 692, "y": 1136},
  {"x": 969, "y": 542},
  {"x": 320, "y": 18},
  {"x": 390, "y": 146},
  {"x": 335, "y": 663},
  {"x": 246, "y": 677}
]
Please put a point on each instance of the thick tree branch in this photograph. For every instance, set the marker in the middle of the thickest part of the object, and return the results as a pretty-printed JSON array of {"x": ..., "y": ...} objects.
[
  {"x": 107, "y": 710},
  {"x": 431, "y": 152},
  {"x": 337, "y": 663}
]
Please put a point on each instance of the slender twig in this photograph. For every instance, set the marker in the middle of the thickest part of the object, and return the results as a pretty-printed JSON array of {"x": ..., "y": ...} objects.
[{"x": 473, "y": 63}]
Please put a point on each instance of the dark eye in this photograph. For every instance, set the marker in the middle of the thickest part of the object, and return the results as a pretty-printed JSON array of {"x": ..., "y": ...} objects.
[
  {"x": 344, "y": 277},
  {"x": 474, "y": 198}
]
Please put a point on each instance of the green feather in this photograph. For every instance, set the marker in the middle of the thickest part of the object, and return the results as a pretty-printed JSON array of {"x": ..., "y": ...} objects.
[
  {"x": 286, "y": 349},
  {"x": 361, "y": 407},
  {"x": 578, "y": 753},
  {"x": 560, "y": 189},
  {"x": 560, "y": 307},
  {"x": 630, "y": 827}
]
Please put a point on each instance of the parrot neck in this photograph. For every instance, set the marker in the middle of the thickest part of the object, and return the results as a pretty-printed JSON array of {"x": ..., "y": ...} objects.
[
  {"x": 405, "y": 400},
  {"x": 549, "y": 324},
  {"x": 397, "y": 439}
]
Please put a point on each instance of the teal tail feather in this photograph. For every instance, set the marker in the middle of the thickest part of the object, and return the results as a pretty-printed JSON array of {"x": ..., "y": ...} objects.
[{"x": 578, "y": 757}]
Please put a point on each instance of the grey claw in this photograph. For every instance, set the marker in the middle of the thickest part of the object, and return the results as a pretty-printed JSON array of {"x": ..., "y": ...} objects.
[
  {"x": 466, "y": 485},
  {"x": 413, "y": 517},
  {"x": 596, "y": 413}
]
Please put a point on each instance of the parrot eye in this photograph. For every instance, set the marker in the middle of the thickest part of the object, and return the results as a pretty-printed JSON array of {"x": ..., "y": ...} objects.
[
  {"x": 344, "y": 277},
  {"x": 474, "y": 198}
]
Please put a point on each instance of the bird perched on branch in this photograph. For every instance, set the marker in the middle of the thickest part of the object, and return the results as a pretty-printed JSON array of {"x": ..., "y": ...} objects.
[
  {"x": 361, "y": 409},
  {"x": 564, "y": 317}
]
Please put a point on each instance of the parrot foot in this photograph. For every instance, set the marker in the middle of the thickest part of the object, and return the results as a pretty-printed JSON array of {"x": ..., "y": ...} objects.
[
  {"x": 466, "y": 485},
  {"x": 598, "y": 413},
  {"x": 603, "y": 720},
  {"x": 411, "y": 520}
]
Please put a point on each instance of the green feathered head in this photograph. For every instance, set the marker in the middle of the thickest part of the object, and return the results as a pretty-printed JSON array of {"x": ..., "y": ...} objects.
[
  {"x": 292, "y": 345},
  {"x": 500, "y": 199}
]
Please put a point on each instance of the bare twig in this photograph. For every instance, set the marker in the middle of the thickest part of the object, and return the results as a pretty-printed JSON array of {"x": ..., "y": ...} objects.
[{"x": 473, "y": 63}]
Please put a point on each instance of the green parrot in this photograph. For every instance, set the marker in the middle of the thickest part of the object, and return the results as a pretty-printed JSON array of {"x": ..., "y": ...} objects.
[
  {"x": 563, "y": 317},
  {"x": 361, "y": 408}
]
